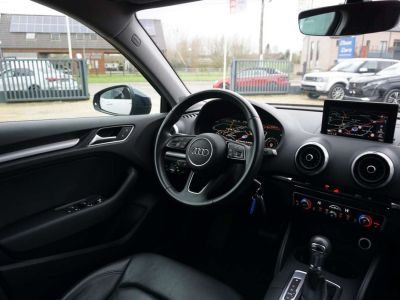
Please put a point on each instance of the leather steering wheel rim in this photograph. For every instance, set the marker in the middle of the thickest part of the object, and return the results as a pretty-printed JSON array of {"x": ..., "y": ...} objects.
[{"x": 254, "y": 153}]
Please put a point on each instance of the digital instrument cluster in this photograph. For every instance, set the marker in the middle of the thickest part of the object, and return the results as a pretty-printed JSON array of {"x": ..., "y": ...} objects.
[{"x": 238, "y": 131}]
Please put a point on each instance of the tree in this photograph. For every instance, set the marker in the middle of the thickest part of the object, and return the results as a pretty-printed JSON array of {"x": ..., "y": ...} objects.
[
  {"x": 239, "y": 48},
  {"x": 216, "y": 51}
]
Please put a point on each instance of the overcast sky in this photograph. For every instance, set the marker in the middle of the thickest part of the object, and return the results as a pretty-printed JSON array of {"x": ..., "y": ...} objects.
[
  {"x": 24, "y": 7},
  {"x": 210, "y": 18}
]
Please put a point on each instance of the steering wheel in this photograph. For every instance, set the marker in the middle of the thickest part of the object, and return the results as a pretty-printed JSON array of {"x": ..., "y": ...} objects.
[{"x": 208, "y": 155}]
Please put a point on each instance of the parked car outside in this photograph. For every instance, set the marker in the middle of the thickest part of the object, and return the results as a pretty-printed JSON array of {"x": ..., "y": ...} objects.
[
  {"x": 34, "y": 79},
  {"x": 257, "y": 78},
  {"x": 382, "y": 87},
  {"x": 333, "y": 82}
]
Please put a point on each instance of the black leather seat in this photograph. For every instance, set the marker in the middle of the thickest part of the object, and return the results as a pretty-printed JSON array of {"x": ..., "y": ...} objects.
[{"x": 149, "y": 277}]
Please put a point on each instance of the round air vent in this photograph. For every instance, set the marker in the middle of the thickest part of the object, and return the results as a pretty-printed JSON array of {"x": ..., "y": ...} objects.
[
  {"x": 372, "y": 170},
  {"x": 311, "y": 158}
]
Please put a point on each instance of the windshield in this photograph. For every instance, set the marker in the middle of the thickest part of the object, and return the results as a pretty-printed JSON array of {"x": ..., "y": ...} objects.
[
  {"x": 347, "y": 66},
  {"x": 391, "y": 71},
  {"x": 255, "y": 48}
]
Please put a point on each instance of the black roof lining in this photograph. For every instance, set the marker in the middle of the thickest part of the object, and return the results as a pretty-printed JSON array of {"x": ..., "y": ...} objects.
[{"x": 146, "y": 4}]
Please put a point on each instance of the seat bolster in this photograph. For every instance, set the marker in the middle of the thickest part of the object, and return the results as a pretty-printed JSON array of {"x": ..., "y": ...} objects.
[
  {"x": 163, "y": 278},
  {"x": 100, "y": 284},
  {"x": 150, "y": 277}
]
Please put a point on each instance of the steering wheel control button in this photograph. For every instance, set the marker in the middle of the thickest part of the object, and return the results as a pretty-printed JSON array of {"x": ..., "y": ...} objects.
[
  {"x": 178, "y": 142},
  {"x": 236, "y": 151},
  {"x": 174, "y": 166}
]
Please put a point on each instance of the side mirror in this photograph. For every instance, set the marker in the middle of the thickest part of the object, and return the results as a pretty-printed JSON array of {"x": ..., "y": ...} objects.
[
  {"x": 122, "y": 100},
  {"x": 350, "y": 19},
  {"x": 363, "y": 70}
]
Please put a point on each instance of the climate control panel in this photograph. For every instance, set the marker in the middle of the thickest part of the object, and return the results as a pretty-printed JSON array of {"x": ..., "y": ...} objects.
[{"x": 333, "y": 210}]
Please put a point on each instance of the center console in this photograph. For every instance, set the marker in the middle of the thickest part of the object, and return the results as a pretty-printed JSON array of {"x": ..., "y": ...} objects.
[
  {"x": 331, "y": 249},
  {"x": 354, "y": 223}
]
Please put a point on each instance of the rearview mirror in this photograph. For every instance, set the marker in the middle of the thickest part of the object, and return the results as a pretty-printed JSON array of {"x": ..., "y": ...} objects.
[
  {"x": 122, "y": 100},
  {"x": 350, "y": 19}
]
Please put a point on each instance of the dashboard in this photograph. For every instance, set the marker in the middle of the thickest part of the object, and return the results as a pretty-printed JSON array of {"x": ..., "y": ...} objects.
[{"x": 346, "y": 156}]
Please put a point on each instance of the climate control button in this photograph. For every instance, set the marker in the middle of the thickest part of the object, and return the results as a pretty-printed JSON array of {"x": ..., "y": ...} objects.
[
  {"x": 333, "y": 214},
  {"x": 306, "y": 204},
  {"x": 365, "y": 221}
]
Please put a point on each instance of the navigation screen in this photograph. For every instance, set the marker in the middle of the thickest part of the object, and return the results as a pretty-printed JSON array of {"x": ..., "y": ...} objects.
[{"x": 368, "y": 121}]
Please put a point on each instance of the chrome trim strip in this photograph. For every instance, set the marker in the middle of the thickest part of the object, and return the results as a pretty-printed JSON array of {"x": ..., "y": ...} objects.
[
  {"x": 175, "y": 154},
  {"x": 334, "y": 284},
  {"x": 38, "y": 150},
  {"x": 299, "y": 275},
  {"x": 382, "y": 155}
]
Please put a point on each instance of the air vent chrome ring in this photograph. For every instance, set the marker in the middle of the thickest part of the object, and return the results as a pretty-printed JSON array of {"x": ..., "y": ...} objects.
[
  {"x": 371, "y": 169},
  {"x": 317, "y": 154}
]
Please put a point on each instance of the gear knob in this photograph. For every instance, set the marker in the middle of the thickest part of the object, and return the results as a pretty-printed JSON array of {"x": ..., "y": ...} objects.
[
  {"x": 320, "y": 248},
  {"x": 320, "y": 244}
]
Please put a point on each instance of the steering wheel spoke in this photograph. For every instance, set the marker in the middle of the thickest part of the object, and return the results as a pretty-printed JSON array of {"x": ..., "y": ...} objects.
[{"x": 196, "y": 188}]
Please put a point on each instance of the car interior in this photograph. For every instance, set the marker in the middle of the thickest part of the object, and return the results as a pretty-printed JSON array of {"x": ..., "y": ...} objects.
[{"x": 215, "y": 197}]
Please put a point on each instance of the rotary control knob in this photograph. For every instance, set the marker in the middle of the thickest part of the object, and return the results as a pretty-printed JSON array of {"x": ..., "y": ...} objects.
[
  {"x": 306, "y": 204},
  {"x": 365, "y": 221},
  {"x": 332, "y": 214}
]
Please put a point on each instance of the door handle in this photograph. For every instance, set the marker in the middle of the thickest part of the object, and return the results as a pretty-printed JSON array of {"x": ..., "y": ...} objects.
[
  {"x": 111, "y": 135},
  {"x": 100, "y": 139}
]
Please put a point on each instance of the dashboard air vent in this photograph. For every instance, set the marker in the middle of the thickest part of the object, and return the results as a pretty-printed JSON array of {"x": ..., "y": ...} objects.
[
  {"x": 311, "y": 158},
  {"x": 372, "y": 170}
]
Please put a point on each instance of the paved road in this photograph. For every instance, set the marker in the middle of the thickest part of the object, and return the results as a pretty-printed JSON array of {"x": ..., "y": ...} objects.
[{"x": 73, "y": 109}]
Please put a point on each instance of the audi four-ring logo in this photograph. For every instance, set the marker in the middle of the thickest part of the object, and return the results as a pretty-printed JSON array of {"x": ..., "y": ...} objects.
[{"x": 200, "y": 151}]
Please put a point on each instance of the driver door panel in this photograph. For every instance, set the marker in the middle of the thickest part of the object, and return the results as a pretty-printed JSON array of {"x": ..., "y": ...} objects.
[{"x": 70, "y": 205}]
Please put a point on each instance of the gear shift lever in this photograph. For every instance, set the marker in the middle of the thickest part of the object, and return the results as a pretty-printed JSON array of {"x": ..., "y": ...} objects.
[
  {"x": 320, "y": 248},
  {"x": 315, "y": 286}
]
